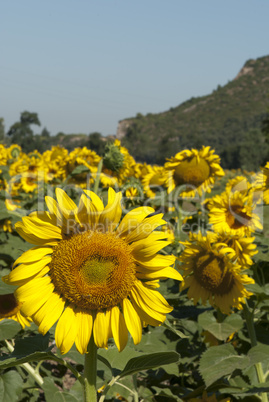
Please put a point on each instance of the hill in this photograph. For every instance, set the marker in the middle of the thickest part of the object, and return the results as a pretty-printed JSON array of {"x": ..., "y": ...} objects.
[{"x": 229, "y": 120}]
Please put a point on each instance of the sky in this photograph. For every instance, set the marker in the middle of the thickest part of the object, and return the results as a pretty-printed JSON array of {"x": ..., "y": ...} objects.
[{"x": 85, "y": 65}]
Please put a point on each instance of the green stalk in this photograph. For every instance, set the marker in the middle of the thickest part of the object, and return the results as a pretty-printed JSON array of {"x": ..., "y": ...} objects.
[
  {"x": 90, "y": 371},
  {"x": 30, "y": 370},
  {"x": 253, "y": 340},
  {"x": 98, "y": 173}
]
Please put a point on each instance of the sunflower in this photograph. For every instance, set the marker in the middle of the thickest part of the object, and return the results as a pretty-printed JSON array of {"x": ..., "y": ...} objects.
[
  {"x": 10, "y": 308},
  {"x": 54, "y": 163},
  {"x": 244, "y": 246},
  {"x": 210, "y": 273},
  {"x": 90, "y": 272},
  {"x": 233, "y": 213},
  {"x": 154, "y": 180},
  {"x": 239, "y": 183},
  {"x": 262, "y": 183},
  {"x": 195, "y": 170}
]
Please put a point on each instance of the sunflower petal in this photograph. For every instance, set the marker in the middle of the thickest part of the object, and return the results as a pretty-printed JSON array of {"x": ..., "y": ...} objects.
[
  {"x": 66, "y": 330},
  {"x": 119, "y": 329},
  {"x": 101, "y": 329},
  {"x": 84, "y": 322},
  {"x": 133, "y": 219},
  {"x": 49, "y": 313},
  {"x": 111, "y": 215},
  {"x": 132, "y": 320}
]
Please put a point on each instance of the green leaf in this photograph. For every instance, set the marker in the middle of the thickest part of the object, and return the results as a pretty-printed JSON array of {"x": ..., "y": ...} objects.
[
  {"x": 221, "y": 330},
  {"x": 149, "y": 361},
  {"x": 53, "y": 394},
  {"x": 11, "y": 385},
  {"x": 259, "y": 354},
  {"x": 31, "y": 344},
  {"x": 116, "y": 359},
  {"x": 167, "y": 325},
  {"x": 105, "y": 361},
  {"x": 80, "y": 169},
  {"x": 219, "y": 361},
  {"x": 8, "y": 329},
  {"x": 12, "y": 361}
]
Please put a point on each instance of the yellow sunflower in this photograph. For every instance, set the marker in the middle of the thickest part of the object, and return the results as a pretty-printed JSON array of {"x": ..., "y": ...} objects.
[
  {"x": 91, "y": 272},
  {"x": 55, "y": 163},
  {"x": 244, "y": 246},
  {"x": 154, "y": 180},
  {"x": 10, "y": 308},
  {"x": 233, "y": 213},
  {"x": 195, "y": 170},
  {"x": 239, "y": 183},
  {"x": 262, "y": 183},
  {"x": 210, "y": 273}
]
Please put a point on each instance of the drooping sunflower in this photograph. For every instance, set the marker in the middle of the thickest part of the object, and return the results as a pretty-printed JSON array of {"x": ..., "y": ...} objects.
[
  {"x": 210, "y": 273},
  {"x": 91, "y": 272},
  {"x": 10, "y": 308},
  {"x": 234, "y": 213},
  {"x": 195, "y": 170}
]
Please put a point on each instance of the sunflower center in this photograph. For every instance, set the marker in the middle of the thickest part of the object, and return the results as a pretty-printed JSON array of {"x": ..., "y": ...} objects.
[
  {"x": 93, "y": 270},
  {"x": 8, "y": 305},
  {"x": 210, "y": 272},
  {"x": 236, "y": 218},
  {"x": 193, "y": 172}
]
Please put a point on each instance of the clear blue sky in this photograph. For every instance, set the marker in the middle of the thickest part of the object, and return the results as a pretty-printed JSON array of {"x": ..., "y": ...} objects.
[{"x": 84, "y": 65}]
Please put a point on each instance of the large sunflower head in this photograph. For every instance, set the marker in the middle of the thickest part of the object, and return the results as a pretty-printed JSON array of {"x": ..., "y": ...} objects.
[
  {"x": 196, "y": 171},
  {"x": 211, "y": 274},
  {"x": 91, "y": 271},
  {"x": 234, "y": 213}
]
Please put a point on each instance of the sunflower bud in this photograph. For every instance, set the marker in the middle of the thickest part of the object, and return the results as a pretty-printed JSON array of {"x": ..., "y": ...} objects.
[{"x": 113, "y": 158}]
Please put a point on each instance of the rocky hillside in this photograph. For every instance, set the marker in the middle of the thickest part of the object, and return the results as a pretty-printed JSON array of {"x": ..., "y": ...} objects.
[{"x": 229, "y": 119}]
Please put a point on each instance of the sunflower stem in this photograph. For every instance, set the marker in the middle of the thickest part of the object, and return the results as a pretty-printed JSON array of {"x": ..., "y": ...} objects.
[
  {"x": 98, "y": 176},
  {"x": 30, "y": 370},
  {"x": 253, "y": 340},
  {"x": 90, "y": 371}
]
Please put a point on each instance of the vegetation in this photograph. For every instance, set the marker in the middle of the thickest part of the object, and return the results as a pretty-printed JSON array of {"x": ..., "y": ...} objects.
[
  {"x": 225, "y": 120},
  {"x": 234, "y": 120}
]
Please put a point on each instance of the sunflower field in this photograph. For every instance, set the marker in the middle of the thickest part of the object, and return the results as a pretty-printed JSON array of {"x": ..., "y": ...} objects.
[{"x": 124, "y": 281}]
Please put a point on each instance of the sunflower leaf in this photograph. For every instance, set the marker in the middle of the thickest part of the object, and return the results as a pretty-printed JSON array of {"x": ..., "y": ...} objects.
[
  {"x": 219, "y": 361},
  {"x": 8, "y": 329},
  {"x": 221, "y": 330},
  {"x": 149, "y": 361},
  {"x": 180, "y": 334},
  {"x": 11, "y": 385},
  {"x": 80, "y": 169}
]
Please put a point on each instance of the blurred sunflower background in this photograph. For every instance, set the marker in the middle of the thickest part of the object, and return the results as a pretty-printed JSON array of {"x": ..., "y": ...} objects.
[{"x": 139, "y": 258}]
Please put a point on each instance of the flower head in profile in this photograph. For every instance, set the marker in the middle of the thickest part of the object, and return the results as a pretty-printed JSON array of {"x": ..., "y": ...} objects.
[
  {"x": 211, "y": 273},
  {"x": 195, "y": 170},
  {"x": 10, "y": 308},
  {"x": 234, "y": 213},
  {"x": 92, "y": 272}
]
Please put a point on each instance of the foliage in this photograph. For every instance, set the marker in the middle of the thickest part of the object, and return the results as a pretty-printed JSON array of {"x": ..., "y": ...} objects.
[
  {"x": 223, "y": 120},
  {"x": 197, "y": 350}
]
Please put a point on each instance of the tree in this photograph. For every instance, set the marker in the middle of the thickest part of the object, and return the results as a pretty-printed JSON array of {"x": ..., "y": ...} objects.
[
  {"x": 2, "y": 130},
  {"x": 96, "y": 143},
  {"x": 22, "y": 134}
]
